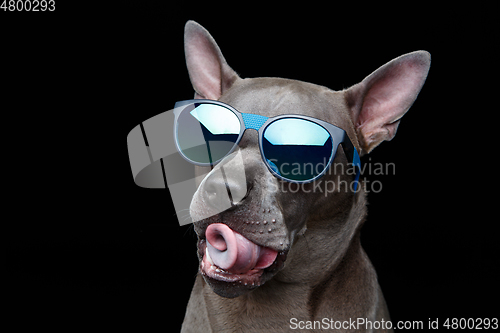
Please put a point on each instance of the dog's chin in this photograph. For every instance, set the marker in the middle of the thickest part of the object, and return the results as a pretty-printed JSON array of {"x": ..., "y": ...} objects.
[{"x": 231, "y": 285}]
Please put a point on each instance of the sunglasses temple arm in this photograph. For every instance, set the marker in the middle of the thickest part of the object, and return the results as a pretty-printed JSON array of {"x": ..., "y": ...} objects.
[{"x": 353, "y": 157}]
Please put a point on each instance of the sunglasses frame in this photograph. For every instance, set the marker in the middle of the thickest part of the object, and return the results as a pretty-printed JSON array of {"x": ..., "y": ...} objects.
[{"x": 260, "y": 123}]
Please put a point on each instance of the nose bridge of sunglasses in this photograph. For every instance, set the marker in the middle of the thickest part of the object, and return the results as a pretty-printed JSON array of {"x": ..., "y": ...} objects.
[{"x": 253, "y": 121}]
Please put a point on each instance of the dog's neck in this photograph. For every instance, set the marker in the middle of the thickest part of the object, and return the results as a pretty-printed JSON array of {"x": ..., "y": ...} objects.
[{"x": 324, "y": 244}]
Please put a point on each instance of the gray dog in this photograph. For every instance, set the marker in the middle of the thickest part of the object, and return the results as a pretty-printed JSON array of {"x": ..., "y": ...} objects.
[{"x": 281, "y": 259}]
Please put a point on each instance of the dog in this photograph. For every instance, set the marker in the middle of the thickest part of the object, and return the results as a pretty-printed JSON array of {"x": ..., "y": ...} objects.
[{"x": 297, "y": 261}]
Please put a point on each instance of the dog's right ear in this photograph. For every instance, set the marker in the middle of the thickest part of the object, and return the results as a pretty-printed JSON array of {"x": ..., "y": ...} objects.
[
  {"x": 379, "y": 101},
  {"x": 208, "y": 70}
]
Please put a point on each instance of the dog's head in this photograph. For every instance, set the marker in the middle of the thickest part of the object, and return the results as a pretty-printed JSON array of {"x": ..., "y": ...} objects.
[{"x": 246, "y": 245}]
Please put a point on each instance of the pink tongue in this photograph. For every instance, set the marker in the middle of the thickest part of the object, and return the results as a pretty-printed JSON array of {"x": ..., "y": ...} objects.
[{"x": 234, "y": 253}]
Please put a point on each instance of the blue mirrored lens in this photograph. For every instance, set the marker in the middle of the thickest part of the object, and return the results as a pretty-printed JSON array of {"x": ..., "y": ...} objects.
[
  {"x": 297, "y": 149},
  {"x": 207, "y": 132}
]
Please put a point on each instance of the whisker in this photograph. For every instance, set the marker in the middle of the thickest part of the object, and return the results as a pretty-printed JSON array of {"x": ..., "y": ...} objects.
[{"x": 181, "y": 211}]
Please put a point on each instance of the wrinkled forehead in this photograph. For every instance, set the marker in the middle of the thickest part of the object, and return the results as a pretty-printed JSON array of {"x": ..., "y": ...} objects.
[{"x": 275, "y": 96}]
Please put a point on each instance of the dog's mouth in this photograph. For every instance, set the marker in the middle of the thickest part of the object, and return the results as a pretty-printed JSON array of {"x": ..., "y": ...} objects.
[{"x": 228, "y": 257}]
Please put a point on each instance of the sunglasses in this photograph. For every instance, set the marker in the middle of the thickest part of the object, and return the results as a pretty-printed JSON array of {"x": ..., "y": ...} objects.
[{"x": 295, "y": 148}]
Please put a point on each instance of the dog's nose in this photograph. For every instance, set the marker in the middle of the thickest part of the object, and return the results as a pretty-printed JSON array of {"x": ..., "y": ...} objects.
[{"x": 225, "y": 187}]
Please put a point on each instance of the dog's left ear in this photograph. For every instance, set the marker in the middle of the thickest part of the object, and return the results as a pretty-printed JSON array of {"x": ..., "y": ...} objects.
[
  {"x": 208, "y": 70},
  {"x": 379, "y": 101}
]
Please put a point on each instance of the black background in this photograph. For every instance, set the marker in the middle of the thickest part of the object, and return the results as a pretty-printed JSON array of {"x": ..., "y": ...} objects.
[{"x": 86, "y": 247}]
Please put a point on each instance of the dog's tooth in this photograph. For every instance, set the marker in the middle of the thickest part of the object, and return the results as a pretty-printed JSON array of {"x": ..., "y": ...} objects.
[{"x": 208, "y": 257}]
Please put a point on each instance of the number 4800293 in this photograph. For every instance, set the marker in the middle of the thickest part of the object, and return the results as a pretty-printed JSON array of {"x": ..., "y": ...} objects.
[{"x": 28, "y": 5}]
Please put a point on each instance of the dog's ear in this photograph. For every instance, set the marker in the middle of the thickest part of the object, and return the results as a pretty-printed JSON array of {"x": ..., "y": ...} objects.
[
  {"x": 209, "y": 73},
  {"x": 379, "y": 101}
]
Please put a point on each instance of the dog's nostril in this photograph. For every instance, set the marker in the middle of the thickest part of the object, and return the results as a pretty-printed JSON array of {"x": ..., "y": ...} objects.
[
  {"x": 249, "y": 188},
  {"x": 211, "y": 195},
  {"x": 210, "y": 189}
]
